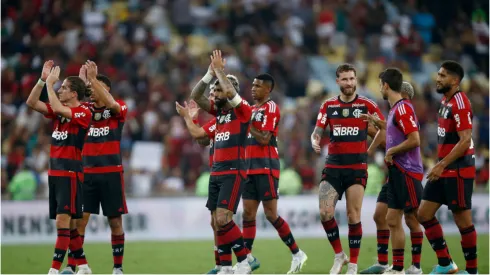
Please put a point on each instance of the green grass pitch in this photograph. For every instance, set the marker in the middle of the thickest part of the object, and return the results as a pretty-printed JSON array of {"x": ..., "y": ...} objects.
[{"x": 196, "y": 257}]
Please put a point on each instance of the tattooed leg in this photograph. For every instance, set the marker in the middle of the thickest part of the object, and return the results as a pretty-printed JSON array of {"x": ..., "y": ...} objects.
[{"x": 328, "y": 200}]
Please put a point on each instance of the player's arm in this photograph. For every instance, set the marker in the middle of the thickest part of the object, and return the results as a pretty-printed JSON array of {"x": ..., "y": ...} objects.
[
  {"x": 379, "y": 139},
  {"x": 33, "y": 100},
  {"x": 195, "y": 130},
  {"x": 321, "y": 124},
  {"x": 464, "y": 127},
  {"x": 203, "y": 141},
  {"x": 56, "y": 105},
  {"x": 197, "y": 93},
  {"x": 99, "y": 90},
  {"x": 262, "y": 137}
]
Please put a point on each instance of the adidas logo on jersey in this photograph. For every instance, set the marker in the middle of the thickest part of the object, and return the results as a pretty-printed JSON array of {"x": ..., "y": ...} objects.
[{"x": 335, "y": 113}]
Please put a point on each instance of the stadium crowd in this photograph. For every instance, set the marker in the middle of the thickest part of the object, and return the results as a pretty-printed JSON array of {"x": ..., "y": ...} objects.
[{"x": 155, "y": 51}]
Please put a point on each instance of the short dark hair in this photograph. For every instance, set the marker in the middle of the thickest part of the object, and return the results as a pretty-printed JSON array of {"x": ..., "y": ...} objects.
[
  {"x": 267, "y": 78},
  {"x": 77, "y": 85},
  {"x": 393, "y": 77},
  {"x": 104, "y": 79},
  {"x": 345, "y": 68},
  {"x": 453, "y": 67}
]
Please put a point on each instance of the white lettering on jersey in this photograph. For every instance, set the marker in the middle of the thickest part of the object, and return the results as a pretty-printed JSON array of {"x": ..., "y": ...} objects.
[
  {"x": 98, "y": 132},
  {"x": 357, "y": 113},
  {"x": 441, "y": 132},
  {"x": 79, "y": 115},
  {"x": 345, "y": 131},
  {"x": 60, "y": 135},
  {"x": 222, "y": 136}
]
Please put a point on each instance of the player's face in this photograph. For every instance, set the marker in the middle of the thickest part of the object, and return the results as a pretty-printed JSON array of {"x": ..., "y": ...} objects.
[
  {"x": 65, "y": 94},
  {"x": 347, "y": 82},
  {"x": 259, "y": 90},
  {"x": 219, "y": 97},
  {"x": 382, "y": 89},
  {"x": 444, "y": 81}
]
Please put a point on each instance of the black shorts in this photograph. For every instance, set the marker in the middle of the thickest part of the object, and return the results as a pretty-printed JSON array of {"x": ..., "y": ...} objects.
[
  {"x": 106, "y": 190},
  {"x": 261, "y": 187},
  {"x": 342, "y": 179},
  {"x": 225, "y": 192},
  {"x": 454, "y": 192},
  {"x": 383, "y": 194},
  {"x": 404, "y": 191},
  {"x": 65, "y": 194}
]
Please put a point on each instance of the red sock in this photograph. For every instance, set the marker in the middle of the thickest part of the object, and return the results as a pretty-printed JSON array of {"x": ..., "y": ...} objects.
[
  {"x": 398, "y": 257},
  {"x": 383, "y": 238},
  {"x": 417, "y": 239},
  {"x": 62, "y": 244},
  {"x": 355, "y": 236},
  {"x": 332, "y": 231},
  {"x": 83, "y": 238},
  {"x": 117, "y": 250},
  {"x": 224, "y": 245},
  {"x": 433, "y": 231},
  {"x": 284, "y": 231},
  {"x": 249, "y": 231},
  {"x": 235, "y": 238},
  {"x": 468, "y": 243},
  {"x": 76, "y": 247}
]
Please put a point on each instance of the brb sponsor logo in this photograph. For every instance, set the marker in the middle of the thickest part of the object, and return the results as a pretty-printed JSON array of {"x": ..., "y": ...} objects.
[
  {"x": 60, "y": 135},
  {"x": 98, "y": 132},
  {"x": 345, "y": 131},
  {"x": 222, "y": 136}
]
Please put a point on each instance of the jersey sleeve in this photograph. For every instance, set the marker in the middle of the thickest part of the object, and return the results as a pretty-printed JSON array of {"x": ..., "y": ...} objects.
[
  {"x": 462, "y": 113},
  {"x": 243, "y": 111},
  {"x": 124, "y": 110},
  {"x": 271, "y": 117},
  {"x": 50, "y": 113},
  {"x": 81, "y": 116},
  {"x": 210, "y": 128},
  {"x": 374, "y": 110},
  {"x": 405, "y": 119},
  {"x": 322, "y": 119}
]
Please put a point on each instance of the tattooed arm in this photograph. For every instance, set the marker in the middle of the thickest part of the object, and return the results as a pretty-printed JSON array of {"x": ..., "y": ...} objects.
[
  {"x": 328, "y": 198},
  {"x": 197, "y": 93},
  {"x": 262, "y": 137},
  {"x": 316, "y": 137},
  {"x": 203, "y": 141}
]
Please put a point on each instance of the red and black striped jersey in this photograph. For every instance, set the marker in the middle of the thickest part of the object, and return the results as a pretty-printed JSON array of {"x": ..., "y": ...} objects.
[
  {"x": 229, "y": 139},
  {"x": 455, "y": 115},
  {"x": 102, "y": 150},
  {"x": 348, "y": 131},
  {"x": 68, "y": 138},
  {"x": 210, "y": 129},
  {"x": 263, "y": 159}
]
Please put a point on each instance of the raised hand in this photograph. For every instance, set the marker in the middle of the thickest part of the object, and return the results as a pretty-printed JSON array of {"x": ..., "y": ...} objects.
[
  {"x": 53, "y": 76},
  {"x": 91, "y": 69},
  {"x": 183, "y": 111},
  {"x": 369, "y": 118},
  {"x": 83, "y": 74},
  {"x": 193, "y": 109},
  {"x": 48, "y": 65},
  {"x": 217, "y": 61}
]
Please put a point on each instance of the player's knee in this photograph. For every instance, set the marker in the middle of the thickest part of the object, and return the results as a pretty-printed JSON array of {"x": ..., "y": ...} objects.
[
  {"x": 222, "y": 218},
  {"x": 379, "y": 218},
  {"x": 422, "y": 216},
  {"x": 248, "y": 215},
  {"x": 392, "y": 221},
  {"x": 412, "y": 222},
  {"x": 271, "y": 215},
  {"x": 353, "y": 216},
  {"x": 116, "y": 225},
  {"x": 63, "y": 221},
  {"x": 326, "y": 215}
]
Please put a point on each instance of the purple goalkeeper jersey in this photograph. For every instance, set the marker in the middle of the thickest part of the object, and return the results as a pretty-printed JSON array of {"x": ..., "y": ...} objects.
[{"x": 401, "y": 122}]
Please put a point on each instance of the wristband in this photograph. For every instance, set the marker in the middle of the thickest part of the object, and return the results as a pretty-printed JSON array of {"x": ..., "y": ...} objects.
[
  {"x": 235, "y": 101},
  {"x": 207, "y": 78},
  {"x": 41, "y": 82}
]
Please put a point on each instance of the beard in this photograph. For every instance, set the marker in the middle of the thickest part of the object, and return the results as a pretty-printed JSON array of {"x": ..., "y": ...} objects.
[
  {"x": 443, "y": 89},
  {"x": 220, "y": 103},
  {"x": 351, "y": 91}
]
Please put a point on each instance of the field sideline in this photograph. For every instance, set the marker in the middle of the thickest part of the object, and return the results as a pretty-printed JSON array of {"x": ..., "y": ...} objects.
[{"x": 196, "y": 257}]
